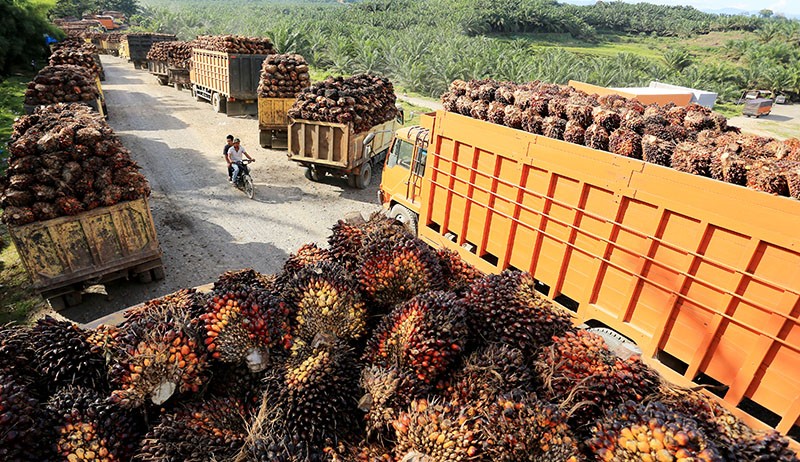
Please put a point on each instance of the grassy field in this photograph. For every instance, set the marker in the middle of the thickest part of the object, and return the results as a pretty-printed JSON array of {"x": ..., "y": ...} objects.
[
  {"x": 19, "y": 302},
  {"x": 12, "y": 93}
]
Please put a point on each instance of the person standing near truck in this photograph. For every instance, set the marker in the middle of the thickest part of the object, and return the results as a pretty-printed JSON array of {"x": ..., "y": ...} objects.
[
  {"x": 225, "y": 148},
  {"x": 235, "y": 155}
]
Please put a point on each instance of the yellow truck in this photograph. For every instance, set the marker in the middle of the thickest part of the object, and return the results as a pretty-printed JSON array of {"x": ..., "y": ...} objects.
[
  {"x": 700, "y": 274},
  {"x": 107, "y": 243},
  {"x": 333, "y": 148},
  {"x": 273, "y": 122}
]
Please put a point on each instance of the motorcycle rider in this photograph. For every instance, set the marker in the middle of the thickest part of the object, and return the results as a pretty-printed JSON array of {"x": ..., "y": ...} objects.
[
  {"x": 225, "y": 148},
  {"x": 235, "y": 154}
]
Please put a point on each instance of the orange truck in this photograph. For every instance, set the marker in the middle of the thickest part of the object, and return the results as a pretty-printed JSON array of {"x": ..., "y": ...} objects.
[{"x": 703, "y": 276}]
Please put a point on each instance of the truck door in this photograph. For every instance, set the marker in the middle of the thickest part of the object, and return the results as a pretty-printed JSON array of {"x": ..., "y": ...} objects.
[
  {"x": 395, "y": 177},
  {"x": 417, "y": 172}
]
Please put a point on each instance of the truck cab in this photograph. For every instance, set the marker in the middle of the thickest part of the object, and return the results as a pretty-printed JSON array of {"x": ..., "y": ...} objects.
[{"x": 401, "y": 181}]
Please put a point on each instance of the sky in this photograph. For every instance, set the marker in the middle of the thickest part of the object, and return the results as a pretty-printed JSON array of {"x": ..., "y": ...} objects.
[{"x": 790, "y": 8}]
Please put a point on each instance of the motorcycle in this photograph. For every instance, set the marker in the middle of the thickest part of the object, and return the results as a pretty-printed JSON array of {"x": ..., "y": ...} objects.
[{"x": 244, "y": 181}]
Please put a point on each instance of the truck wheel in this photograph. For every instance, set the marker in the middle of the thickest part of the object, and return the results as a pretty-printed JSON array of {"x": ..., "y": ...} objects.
[
  {"x": 265, "y": 138},
  {"x": 364, "y": 178},
  {"x": 73, "y": 298},
  {"x": 162, "y": 80},
  {"x": 196, "y": 95},
  {"x": 405, "y": 216},
  {"x": 57, "y": 303},
  {"x": 144, "y": 277},
  {"x": 218, "y": 103},
  {"x": 351, "y": 180},
  {"x": 158, "y": 273},
  {"x": 313, "y": 174},
  {"x": 178, "y": 86}
]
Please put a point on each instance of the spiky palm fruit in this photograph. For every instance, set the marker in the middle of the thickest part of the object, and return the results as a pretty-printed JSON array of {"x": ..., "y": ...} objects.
[
  {"x": 437, "y": 431},
  {"x": 308, "y": 402},
  {"x": 162, "y": 352},
  {"x": 606, "y": 118},
  {"x": 525, "y": 429},
  {"x": 485, "y": 92},
  {"x": 792, "y": 149},
  {"x": 735, "y": 440},
  {"x": 214, "y": 429},
  {"x": 449, "y": 102},
  {"x": 464, "y": 105},
  {"x": 596, "y": 137},
  {"x": 246, "y": 326},
  {"x": 698, "y": 120},
  {"x": 306, "y": 255},
  {"x": 557, "y": 107},
  {"x": 458, "y": 87},
  {"x": 235, "y": 381},
  {"x": 636, "y": 432},
  {"x": 513, "y": 116},
  {"x": 364, "y": 452},
  {"x": 489, "y": 373},
  {"x": 523, "y": 97},
  {"x": 387, "y": 392},
  {"x": 730, "y": 166},
  {"x": 579, "y": 114},
  {"x": 457, "y": 274},
  {"x": 657, "y": 151},
  {"x": 15, "y": 351},
  {"x": 326, "y": 300},
  {"x": 692, "y": 158},
  {"x": 578, "y": 369},
  {"x": 105, "y": 340},
  {"x": 20, "y": 426},
  {"x": 676, "y": 114},
  {"x": 532, "y": 122},
  {"x": 574, "y": 133},
  {"x": 62, "y": 355},
  {"x": 90, "y": 427},
  {"x": 480, "y": 110},
  {"x": 553, "y": 127},
  {"x": 345, "y": 243},
  {"x": 766, "y": 175},
  {"x": 634, "y": 122},
  {"x": 538, "y": 107},
  {"x": 424, "y": 335},
  {"x": 791, "y": 172},
  {"x": 396, "y": 267},
  {"x": 506, "y": 308},
  {"x": 625, "y": 143},
  {"x": 496, "y": 113}
]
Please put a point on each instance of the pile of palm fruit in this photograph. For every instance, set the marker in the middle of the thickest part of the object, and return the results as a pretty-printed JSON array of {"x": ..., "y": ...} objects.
[
  {"x": 65, "y": 159},
  {"x": 691, "y": 139},
  {"x": 283, "y": 76},
  {"x": 175, "y": 53},
  {"x": 364, "y": 100},
  {"x": 61, "y": 84},
  {"x": 78, "y": 52},
  {"x": 332, "y": 360},
  {"x": 235, "y": 44}
]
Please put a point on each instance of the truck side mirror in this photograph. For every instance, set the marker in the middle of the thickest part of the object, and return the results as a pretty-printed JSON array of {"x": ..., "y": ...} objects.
[
  {"x": 400, "y": 115},
  {"x": 368, "y": 139}
]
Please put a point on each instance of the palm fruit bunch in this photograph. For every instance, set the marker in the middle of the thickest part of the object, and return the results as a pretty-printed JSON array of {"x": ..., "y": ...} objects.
[
  {"x": 437, "y": 431},
  {"x": 734, "y": 439},
  {"x": 88, "y": 426},
  {"x": 625, "y": 143},
  {"x": 235, "y": 44},
  {"x": 578, "y": 369},
  {"x": 457, "y": 274},
  {"x": 199, "y": 431},
  {"x": 65, "y": 159},
  {"x": 283, "y": 76},
  {"x": 488, "y": 373},
  {"x": 387, "y": 392},
  {"x": 308, "y": 402},
  {"x": 78, "y": 57},
  {"x": 20, "y": 425},
  {"x": 306, "y": 255},
  {"x": 730, "y": 165},
  {"x": 596, "y": 137},
  {"x": 325, "y": 300},
  {"x": 176, "y": 54},
  {"x": 692, "y": 158},
  {"x": 232, "y": 281},
  {"x": 395, "y": 266},
  {"x": 235, "y": 381},
  {"x": 104, "y": 340},
  {"x": 424, "y": 336},
  {"x": 553, "y": 127},
  {"x": 522, "y": 428},
  {"x": 61, "y": 84},
  {"x": 574, "y": 133},
  {"x": 364, "y": 100},
  {"x": 346, "y": 242},
  {"x": 62, "y": 356},
  {"x": 15, "y": 352},
  {"x": 162, "y": 352},
  {"x": 364, "y": 451},
  {"x": 636, "y": 432},
  {"x": 767, "y": 175},
  {"x": 657, "y": 151},
  {"x": 506, "y": 308}
]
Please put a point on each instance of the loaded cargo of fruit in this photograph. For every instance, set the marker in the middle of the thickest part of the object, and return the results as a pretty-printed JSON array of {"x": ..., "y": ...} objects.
[
  {"x": 691, "y": 269},
  {"x": 449, "y": 364},
  {"x": 283, "y": 76},
  {"x": 169, "y": 62},
  {"x": 62, "y": 84},
  {"x": 227, "y": 73},
  {"x": 135, "y": 46},
  {"x": 75, "y": 202}
]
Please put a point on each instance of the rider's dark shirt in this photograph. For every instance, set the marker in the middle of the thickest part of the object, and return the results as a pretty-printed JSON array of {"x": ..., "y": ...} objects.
[{"x": 225, "y": 151}]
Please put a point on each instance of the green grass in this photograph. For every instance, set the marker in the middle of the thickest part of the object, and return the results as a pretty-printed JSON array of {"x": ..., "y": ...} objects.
[
  {"x": 19, "y": 301},
  {"x": 12, "y": 94},
  {"x": 729, "y": 109},
  {"x": 412, "y": 112}
]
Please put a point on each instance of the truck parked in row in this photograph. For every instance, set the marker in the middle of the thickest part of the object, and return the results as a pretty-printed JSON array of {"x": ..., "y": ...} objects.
[{"x": 227, "y": 80}]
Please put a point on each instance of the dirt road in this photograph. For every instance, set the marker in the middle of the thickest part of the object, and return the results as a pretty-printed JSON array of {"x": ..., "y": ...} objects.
[
  {"x": 783, "y": 122},
  {"x": 205, "y": 225}
]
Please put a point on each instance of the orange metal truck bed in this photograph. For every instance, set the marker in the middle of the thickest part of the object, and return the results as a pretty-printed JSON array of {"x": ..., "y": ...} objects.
[{"x": 703, "y": 275}]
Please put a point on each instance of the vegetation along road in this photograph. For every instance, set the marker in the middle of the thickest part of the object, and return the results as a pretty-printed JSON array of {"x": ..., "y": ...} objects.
[{"x": 205, "y": 225}]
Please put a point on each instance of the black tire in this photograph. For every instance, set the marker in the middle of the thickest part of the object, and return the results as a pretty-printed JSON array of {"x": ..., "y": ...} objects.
[
  {"x": 365, "y": 177},
  {"x": 144, "y": 277},
  {"x": 57, "y": 303},
  {"x": 248, "y": 186},
  {"x": 313, "y": 174},
  {"x": 405, "y": 216},
  {"x": 178, "y": 86},
  {"x": 158, "y": 273},
  {"x": 196, "y": 95},
  {"x": 265, "y": 138},
  {"x": 218, "y": 103},
  {"x": 351, "y": 180},
  {"x": 162, "y": 80}
]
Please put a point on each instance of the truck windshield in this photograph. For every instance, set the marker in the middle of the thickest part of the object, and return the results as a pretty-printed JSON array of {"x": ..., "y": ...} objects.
[{"x": 402, "y": 153}]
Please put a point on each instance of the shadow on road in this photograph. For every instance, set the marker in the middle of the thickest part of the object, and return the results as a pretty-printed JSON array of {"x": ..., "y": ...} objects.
[{"x": 777, "y": 118}]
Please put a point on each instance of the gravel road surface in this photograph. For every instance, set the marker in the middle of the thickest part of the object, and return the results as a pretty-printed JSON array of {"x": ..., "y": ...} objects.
[
  {"x": 783, "y": 122},
  {"x": 205, "y": 225}
]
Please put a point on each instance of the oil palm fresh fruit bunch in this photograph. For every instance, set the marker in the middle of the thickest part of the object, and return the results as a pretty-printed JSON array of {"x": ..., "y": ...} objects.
[
  {"x": 432, "y": 430},
  {"x": 424, "y": 336},
  {"x": 306, "y": 255},
  {"x": 234, "y": 281},
  {"x": 489, "y": 373},
  {"x": 62, "y": 356},
  {"x": 20, "y": 420},
  {"x": 457, "y": 274},
  {"x": 235, "y": 381},
  {"x": 396, "y": 266},
  {"x": 326, "y": 300},
  {"x": 213, "y": 429},
  {"x": 16, "y": 352},
  {"x": 105, "y": 340},
  {"x": 345, "y": 243},
  {"x": 505, "y": 308},
  {"x": 579, "y": 370},
  {"x": 88, "y": 426},
  {"x": 636, "y": 432},
  {"x": 246, "y": 325},
  {"x": 364, "y": 451},
  {"x": 387, "y": 392}
]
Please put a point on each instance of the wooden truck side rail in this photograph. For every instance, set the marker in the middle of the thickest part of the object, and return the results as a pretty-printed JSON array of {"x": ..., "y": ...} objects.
[
  {"x": 68, "y": 250},
  {"x": 333, "y": 144},
  {"x": 703, "y": 275},
  {"x": 273, "y": 121},
  {"x": 228, "y": 80}
]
